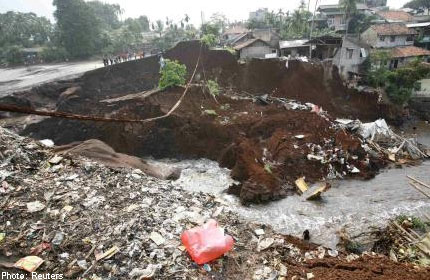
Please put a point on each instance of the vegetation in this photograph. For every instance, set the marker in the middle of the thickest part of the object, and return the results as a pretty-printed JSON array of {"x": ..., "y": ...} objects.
[
  {"x": 209, "y": 40},
  {"x": 172, "y": 74},
  {"x": 213, "y": 87},
  {"x": 398, "y": 83},
  {"x": 416, "y": 222}
]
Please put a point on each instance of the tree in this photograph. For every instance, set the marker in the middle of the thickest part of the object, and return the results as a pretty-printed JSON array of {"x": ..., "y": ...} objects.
[
  {"x": 79, "y": 27},
  {"x": 349, "y": 7},
  {"x": 159, "y": 27},
  {"x": 106, "y": 13}
]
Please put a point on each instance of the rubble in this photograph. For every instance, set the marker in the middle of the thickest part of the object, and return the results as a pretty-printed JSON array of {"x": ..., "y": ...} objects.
[{"x": 102, "y": 240}]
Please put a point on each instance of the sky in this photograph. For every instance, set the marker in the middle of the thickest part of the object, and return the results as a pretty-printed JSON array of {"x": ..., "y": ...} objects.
[{"x": 176, "y": 9}]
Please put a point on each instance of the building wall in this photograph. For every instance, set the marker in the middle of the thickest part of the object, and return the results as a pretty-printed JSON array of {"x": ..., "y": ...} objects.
[
  {"x": 372, "y": 38},
  {"x": 349, "y": 58},
  {"x": 256, "y": 50},
  {"x": 403, "y": 61}
]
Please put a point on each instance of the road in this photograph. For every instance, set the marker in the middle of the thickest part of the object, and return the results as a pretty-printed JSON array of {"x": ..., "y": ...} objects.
[{"x": 22, "y": 78}]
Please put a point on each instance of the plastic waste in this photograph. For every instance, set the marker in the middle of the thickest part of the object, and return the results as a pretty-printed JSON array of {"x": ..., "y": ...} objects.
[{"x": 206, "y": 243}]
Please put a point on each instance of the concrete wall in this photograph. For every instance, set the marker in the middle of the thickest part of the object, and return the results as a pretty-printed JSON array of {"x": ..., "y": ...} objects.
[
  {"x": 371, "y": 37},
  {"x": 349, "y": 58},
  {"x": 256, "y": 50},
  {"x": 403, "y": 61}
]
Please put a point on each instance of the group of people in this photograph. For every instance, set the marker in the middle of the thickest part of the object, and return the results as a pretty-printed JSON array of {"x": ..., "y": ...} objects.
[{"x": 122, "y": 57}]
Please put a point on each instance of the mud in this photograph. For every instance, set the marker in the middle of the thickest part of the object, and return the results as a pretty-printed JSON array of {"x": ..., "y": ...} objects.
[{"x": 256, "y": 140}]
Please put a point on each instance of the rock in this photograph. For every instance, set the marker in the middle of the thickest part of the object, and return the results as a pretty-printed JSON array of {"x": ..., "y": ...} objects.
[
  {"x": 157, "y": 238},
  {"x": 265, "y": 244},
  {"x": 310, "y": 275},
  {"x": 35, "y": 206},
  {"x": 259, "y": 232}
]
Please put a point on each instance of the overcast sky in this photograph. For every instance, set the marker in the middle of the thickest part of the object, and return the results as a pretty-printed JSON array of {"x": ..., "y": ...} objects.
[{"x": 175, "y": 9}]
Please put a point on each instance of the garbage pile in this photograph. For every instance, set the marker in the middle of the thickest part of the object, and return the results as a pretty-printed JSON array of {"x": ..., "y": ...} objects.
[
  {"x": 378, "y": 136},
  {"x": 77, "y": 218}
]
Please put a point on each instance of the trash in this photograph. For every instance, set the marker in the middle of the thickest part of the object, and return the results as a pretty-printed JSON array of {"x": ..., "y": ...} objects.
[
  {"x": 40, "y": 248},
  {"x": 265, "y": 244},
  {"x": 106, "y": 255},
  {"x": 207, "y": 267},
  {"x": 55, "y": 160},
  {"x": 146, "y": 273},
  {"x": 2, "y": 236},
  {"x": 206, "y": 243},
  {"x": 283, "y": 271},
  {"x": 29, "y": 263},
  {"x": 314, "y": 157},
  {"x": 310, "y": 275},
  {"x": 344, "y": 121},
  {"x": 47, "y": 143},
  {"x": 35, "y": 206},
  {"x": 82, "y": 264},
  {"x": 58, "y": 238},
  {"x": 259, "y": 231},
  {"x": 301, "y": 185},
  {"x": 378, "y": 128},
  {"x": 314, "y": 193},
  {"x": 157, "y": 238},
  {"x": 355, "y": 170},
  {"x": 301, "y": 136}
]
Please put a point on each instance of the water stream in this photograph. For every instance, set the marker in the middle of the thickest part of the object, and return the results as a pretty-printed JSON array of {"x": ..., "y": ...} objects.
[{"x": 356, "y": 205}]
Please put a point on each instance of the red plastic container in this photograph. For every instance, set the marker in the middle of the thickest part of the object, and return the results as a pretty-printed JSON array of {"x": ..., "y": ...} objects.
[{"x": 206, "y": 243}]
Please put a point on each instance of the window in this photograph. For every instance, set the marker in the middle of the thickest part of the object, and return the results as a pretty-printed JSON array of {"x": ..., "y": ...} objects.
[
  {"x": 392, "y": 39},
  {"x": 382, "y": 38},
  {"x": 349, "y": 53}
]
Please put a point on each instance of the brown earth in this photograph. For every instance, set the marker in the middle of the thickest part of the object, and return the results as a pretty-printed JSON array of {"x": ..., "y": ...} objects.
[{"x": 257, "y": 141}]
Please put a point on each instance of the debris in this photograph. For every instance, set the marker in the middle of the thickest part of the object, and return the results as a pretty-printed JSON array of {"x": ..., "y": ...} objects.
[
  {"x": 355, "y": 170},
  {"x": 265, "y": 244},
  {"x": 108, "y": 254},
  {"x": 56, "y": 159},
  {"x": 35, "y": 206},
  {"x": 206, "y": 243},
  {"x": 157, "y": 238},
  {"x": 29, "y": 263},
  {"x": 40, "y": 248},
  {"x": 82, "y": 264},
  {"x": 310, "y": 275},
  {"x": 259, "y": 231},
  {"x": 301, "y": 185},
  {"x": 207, "y": 267},
  {"x": 58, "y": 238},
  {"x": 2, "y": 236},
  {"x": 283, "y": 271},
  {"x": 47, "y": 143},
  {"x": 314, "y": 193},
  {"x": 301, "y": 136}
]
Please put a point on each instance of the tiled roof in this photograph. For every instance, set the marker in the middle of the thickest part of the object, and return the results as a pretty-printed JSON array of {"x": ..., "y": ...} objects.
[
  {"x": 236, "y": 30},
  {"x": 392, "y": 29},
  {"x": 248, "y": 43},
  {"x": 396, "y": 16},
  {"x": 409, "y": 51}
]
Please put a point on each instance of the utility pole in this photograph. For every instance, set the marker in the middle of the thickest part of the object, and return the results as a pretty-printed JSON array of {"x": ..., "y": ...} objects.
[{"x": 312, "y": 28}]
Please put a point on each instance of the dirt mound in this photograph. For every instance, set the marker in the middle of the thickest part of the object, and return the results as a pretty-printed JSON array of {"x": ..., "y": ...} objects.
[
  {"x": 363, "y": 268},
  {"x": 102, "y": 153}
]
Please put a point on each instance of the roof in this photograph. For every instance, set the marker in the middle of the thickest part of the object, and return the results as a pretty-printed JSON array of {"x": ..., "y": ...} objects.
[
  {"x": 408, "y": 51},
  {"x": 237, "y": 29},
  {"x": 360, "y": 6},
  {"x": 358, "y": 43},
  {"x": 249, "y": 43},
  {"x": 396, "y": 16},
  {"x": 392, "y": 29},
  {"x": 292, "y": 44},
  {"x": 415, "y": 25}
]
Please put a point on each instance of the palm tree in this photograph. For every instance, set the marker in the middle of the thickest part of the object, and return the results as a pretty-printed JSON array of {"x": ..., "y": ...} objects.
[{"x": 350, "y": 8}]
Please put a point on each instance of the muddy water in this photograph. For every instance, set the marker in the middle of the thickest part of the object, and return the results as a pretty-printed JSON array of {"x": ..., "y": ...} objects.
[{"x": 357, "y": 206}]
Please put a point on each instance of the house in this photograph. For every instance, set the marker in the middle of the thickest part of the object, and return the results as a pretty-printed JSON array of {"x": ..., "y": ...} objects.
[
  {"x": 422, "y": 30},
  {"x": 294, "y": 48},
  {"x": 401, "y": 56},
  {"x": 254, "y": 48},
  {"x": 336, "y": 16},
  {"x": 258, "y": 15},
  {"x": 268, "y": 35},
  {"x": 388, "y": 35},
  {"x": 324, "y": 47},
  {"x": 395, "y": 16},
  {"x": 351, "y": 56},
  {"x": 234, "y": 32}
]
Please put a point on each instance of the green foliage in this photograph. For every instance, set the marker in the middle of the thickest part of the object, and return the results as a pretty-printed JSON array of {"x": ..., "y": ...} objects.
[
  {"x": 12, "y": 55},
  {"x": 107, "y": 14},
  {"x": 417, "y": 223},
  {"x": 78, "y": 27},
  {"x": 172, "y": 74},
  {"x": 360, "y": 23},
  {"x": 25, "y": 29},
  {"x": 213, "y": 87},
  {"x": 354, "y": 247},
  {"x": 210, "y": 29},
  {"x": 209, "y": 40},
  {"x": 52, "y": 53},
  {"x": 398, "y": 83}
]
